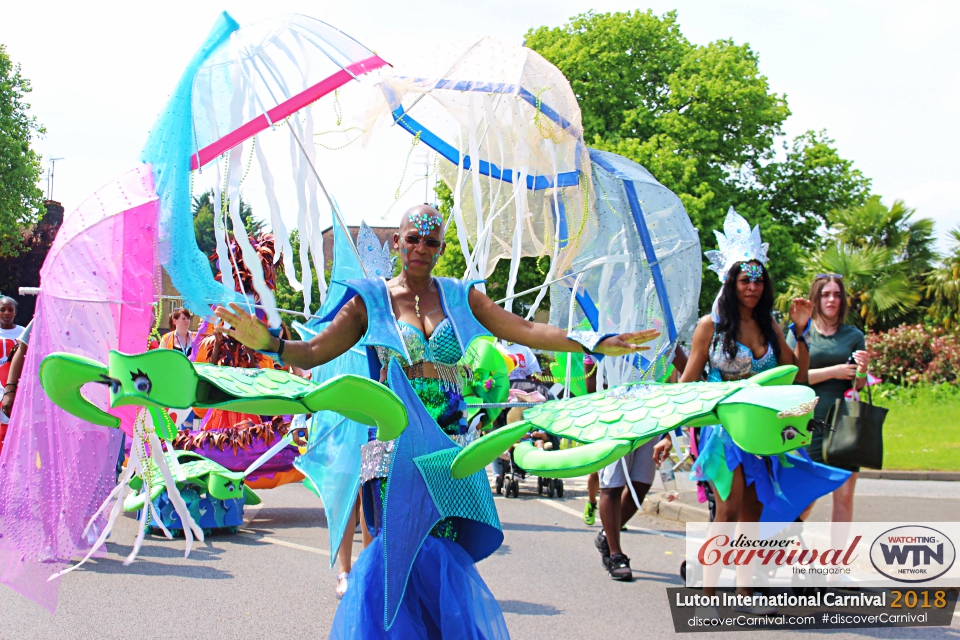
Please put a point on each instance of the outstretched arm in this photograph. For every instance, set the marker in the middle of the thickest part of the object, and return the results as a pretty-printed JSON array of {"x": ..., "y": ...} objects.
[
  {"x": 508, "y": 326},
  {"x": 343, "y": 332},
  {"x": 800, "y": 312}
]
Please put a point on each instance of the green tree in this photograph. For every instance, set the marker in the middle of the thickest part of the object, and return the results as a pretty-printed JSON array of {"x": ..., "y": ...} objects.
[
  {"x": 873, "y": 224},
  {"x": 452, "y": 264},
  {"x": 810, "y": 183},
  {"x": 943, "y": 287},
  {"x": 286, "y": 296},
  {"x": 203, "y": 221},
  {"x": 884, "y": 255},
  {"x": 703, "y": 120},
  {"x": 21, "y": 201}
]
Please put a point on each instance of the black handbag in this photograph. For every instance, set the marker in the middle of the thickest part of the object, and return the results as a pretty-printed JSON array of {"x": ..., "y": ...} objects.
[{"x": 856, "y": 439}]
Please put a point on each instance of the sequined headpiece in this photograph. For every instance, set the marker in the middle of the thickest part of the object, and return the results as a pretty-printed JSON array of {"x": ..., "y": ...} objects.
[
  {"x": 736, "y": 244},
  {"x": 425, "y": 222}
]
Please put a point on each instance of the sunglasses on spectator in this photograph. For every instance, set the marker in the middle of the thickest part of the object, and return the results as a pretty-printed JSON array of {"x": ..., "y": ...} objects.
[
  {"x": 414, "y": 240},
  {"x": 827, "y": 276}
]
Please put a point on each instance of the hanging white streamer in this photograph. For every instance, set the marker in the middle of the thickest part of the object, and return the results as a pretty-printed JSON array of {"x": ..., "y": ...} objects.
[
  {"x": 250, "y": 256},
  {"x": 557, "y": 214},
  {"x": 300, "y": 164},
  {"x": 219, "y": 229},
  {"x": 520, "y": 173},
  {"x": 138, "y": 464},
  {"x": 280, "y": 233},
  {"x": 314, "y": 230}
]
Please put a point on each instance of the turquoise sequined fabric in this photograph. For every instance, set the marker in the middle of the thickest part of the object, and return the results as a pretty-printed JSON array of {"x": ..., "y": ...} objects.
[{"x": 442, "y": 346}]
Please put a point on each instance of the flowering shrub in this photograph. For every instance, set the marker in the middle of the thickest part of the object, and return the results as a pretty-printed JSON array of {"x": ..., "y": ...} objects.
[
  {"x": 945, "y": 366},
  {"x": 912, "y": 354}
]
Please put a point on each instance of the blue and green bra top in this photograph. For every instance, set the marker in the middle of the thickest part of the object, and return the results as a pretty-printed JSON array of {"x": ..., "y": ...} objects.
[{"x": 407, "y": 344}]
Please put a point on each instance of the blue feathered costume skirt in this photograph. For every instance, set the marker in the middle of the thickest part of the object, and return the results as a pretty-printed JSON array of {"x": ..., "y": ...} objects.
[{"x": 445, "y": 598}]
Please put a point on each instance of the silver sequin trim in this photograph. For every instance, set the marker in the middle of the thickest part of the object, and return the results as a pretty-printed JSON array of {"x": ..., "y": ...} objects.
[{"x": 375, "y": 460}]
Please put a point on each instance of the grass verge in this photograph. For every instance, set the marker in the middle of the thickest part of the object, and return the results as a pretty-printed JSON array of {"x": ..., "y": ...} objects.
[{"x": 922, "y": 429}]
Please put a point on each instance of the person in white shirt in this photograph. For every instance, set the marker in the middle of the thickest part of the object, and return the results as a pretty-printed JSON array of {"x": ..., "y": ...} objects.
[
  {"x": 9, "y": 333},
  {"x": 527, "y": 365}
]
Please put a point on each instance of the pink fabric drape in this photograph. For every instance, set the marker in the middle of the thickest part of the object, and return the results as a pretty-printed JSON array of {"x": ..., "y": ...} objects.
[{"x": 97, "y": 287}]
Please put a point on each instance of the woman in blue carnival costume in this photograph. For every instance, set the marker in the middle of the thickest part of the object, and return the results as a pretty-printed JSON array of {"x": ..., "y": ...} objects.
[
  {"x": 738, "y": 340},
  {"x": 416, "y": 328}
]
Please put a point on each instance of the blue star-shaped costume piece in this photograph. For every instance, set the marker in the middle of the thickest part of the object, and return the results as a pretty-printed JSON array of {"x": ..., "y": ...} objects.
[{"x": 420, "y": 493}]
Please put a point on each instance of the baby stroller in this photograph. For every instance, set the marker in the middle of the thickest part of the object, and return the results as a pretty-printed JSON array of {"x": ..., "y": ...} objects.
[{"x": 508, "y": 480}]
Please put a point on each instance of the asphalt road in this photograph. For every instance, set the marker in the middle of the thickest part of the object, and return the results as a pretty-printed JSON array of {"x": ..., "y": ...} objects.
[{"x": 273, "y": 580}]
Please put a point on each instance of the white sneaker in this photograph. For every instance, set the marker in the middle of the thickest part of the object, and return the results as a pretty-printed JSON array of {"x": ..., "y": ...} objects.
[{"x": 341, "y": 584}]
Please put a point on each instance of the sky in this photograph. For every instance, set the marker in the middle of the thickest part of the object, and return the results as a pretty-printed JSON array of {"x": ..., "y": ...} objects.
[{"x": 882, "y": 77}]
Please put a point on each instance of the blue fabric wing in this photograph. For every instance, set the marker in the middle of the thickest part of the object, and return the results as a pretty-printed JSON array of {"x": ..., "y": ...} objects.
[
  {"x": 168, "y": 150},
  {"x": 332, "y": 460}
]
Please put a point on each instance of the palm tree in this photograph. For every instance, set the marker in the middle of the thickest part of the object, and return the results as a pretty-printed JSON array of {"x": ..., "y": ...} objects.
[
  {"x": 874, "y": 225},
  {"x": 880, "y": 291},
  {"x": 943, "y": 286}
]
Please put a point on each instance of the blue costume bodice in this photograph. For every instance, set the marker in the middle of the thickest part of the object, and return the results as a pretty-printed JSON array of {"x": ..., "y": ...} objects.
[
  {"x": 442, "y": 347},
  {"x": 383, "y": 337}
]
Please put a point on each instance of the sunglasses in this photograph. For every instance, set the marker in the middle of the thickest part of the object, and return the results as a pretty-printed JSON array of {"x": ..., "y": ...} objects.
[
  {"x": 827, "y": 276},
  {"x": 414, "y": 240}
]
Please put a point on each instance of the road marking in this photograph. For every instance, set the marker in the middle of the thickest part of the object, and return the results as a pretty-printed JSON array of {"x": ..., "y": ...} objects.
[
  {"x": 284, "y": 543},
  {"x": 578, "y": 514},
  {"x": 561, "y": 507},
  {"x": 279, "y": 542}
]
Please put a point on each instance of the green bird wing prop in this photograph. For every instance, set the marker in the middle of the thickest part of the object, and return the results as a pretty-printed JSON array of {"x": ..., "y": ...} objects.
[
  {"x": 195, "y": 469},
  {"x": 765, "y": 415},
  {"x": 166, "y": 378}
]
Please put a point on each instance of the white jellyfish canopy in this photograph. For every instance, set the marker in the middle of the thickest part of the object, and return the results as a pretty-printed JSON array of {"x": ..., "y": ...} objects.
[
  {"x": 506, "y": 127},
  {"x": 639, "y": 270},
  {"x": 242, "y": 115}
]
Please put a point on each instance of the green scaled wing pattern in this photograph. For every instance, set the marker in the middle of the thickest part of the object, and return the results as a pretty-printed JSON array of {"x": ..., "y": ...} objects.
[
  {"x": 765, "y": 415},
  {"x": 632, "y": 412}
]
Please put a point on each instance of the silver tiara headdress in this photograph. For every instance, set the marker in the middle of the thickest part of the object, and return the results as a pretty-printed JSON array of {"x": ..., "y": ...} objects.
[
  {"x": 737, "y": 243},
  {"x": 375, "y": 259}
]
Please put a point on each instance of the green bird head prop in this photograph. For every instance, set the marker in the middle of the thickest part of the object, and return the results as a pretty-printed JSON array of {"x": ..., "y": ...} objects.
[{"x": 167, "y": 379}]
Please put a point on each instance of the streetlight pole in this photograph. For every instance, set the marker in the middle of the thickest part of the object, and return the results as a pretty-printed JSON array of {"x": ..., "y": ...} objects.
[{"x": 50, "y": 173}]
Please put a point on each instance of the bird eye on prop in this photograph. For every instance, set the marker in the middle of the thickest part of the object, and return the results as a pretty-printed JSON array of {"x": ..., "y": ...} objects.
[
  {"x": 141, "y": 382},
  {"x": 788, "y": 433}
]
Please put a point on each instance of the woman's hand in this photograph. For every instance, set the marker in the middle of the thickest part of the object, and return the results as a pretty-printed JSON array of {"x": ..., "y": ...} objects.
[
  {"x": 844, "y": 371},
  {"x": 245, "y": 328},
  {"x": 9, "y": 395},
  {"x": 661, "y": 450},
  {"x": 300, "y": 437},
  {"x": 863, "y": 361},
  {"x": 626, "y": 343},
  {"x": 801, "y": 310}
]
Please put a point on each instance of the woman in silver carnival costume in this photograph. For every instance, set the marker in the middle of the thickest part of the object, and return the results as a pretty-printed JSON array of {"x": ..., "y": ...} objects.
[
  {"x": 417, "y": 579},
  {"x": 738, "y": 340}
]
